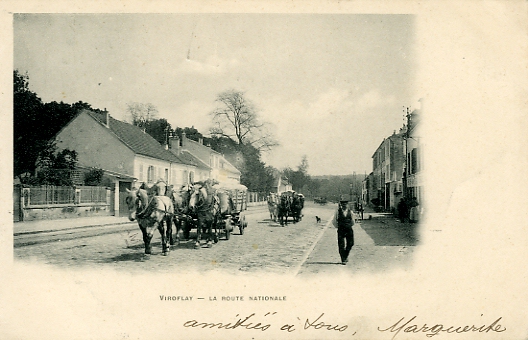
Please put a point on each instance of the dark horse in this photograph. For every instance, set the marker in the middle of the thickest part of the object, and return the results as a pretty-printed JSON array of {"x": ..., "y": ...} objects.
[
  {"x": 284, "y": 209},
  {"x": 297, "y": 207},
  {"x": 182, "y": 210},
  {"x": 152, "y": 214},
  {"x": 204, "y": 203}
]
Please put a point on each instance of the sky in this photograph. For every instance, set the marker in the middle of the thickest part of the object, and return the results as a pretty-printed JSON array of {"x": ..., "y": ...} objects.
[{"x": 332, "y": 86}]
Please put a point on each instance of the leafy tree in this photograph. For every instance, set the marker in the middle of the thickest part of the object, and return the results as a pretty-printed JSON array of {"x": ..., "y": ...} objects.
[
  {"x": 332, "y": 187},
  {"x": 27, "y": 139},
  {"x": 159, "y": 129},
  {"x": 236, "y": 118},
  {"x": 54, "y": 168},
  {"x": 35, "y": 123},
  {"x": 190, "y": 132},
  {"x": 299, "y": 179}
]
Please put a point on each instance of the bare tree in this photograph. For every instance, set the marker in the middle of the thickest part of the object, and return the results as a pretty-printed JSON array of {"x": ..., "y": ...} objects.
[
  {"x": 237, "y": 118},
  {"x": 141, "y": 113}
]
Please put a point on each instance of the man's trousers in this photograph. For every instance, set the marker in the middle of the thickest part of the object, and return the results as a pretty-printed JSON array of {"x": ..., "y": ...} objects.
[{"x": 345, "y": 241}]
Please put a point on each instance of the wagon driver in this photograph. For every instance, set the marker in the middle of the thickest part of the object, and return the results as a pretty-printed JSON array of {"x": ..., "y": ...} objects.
[{"x": 343, "y": 221}]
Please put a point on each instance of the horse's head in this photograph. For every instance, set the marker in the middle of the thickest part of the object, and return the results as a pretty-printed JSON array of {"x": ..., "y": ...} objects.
[
  {"x": 181, "y": 200},
  {"x": 196, "y": 197},
  {"x": 136, "y": 199},
  {"x": 132, "y": 202}
]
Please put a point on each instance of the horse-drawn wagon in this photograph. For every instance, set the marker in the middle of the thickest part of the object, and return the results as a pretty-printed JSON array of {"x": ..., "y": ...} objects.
[
  {"x": 215, "y": 208},
  {"x": 232, "y": 199},
  {"x": 290, "y": 204}
]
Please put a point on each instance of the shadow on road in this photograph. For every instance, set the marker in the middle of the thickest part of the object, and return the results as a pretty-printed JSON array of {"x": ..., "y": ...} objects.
[
  {"x": 315, "y": 262},
  {"x": 136, "y": 257},
  {"x": 386, "y": 230}
]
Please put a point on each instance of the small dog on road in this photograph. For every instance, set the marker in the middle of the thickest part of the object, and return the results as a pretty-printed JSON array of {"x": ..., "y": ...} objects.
[{"x": 318, "y": 219}]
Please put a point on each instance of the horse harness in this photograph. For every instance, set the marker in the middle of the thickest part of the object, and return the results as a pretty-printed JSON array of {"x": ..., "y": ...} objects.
[{"x": 150, "y": 208}]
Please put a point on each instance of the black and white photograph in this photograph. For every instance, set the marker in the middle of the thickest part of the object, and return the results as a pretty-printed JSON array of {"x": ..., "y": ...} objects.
[{"x": 292, "y": 171}]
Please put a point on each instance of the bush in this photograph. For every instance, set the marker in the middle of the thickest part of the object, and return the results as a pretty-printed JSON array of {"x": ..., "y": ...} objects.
[{"x": 94, "y": 177}]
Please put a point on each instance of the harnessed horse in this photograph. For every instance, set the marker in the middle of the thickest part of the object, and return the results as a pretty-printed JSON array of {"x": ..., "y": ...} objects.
[
  {"x": 204, "y": 203},
  {"x": 152, "y": 214},
  {"x": 296, "y": 207},
  {"x": 284, "y": 209},
  {"x": 180, "y": 200},
  {"x": 273, "y": 206}
]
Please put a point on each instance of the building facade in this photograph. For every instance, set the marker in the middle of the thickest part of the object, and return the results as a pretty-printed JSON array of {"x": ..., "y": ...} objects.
[
  {"x": 124, "y": 150},
  {"x": 385, "y": 181},
  {"x": 413, "y": 179},
  {"x": 210, "y": 163}
]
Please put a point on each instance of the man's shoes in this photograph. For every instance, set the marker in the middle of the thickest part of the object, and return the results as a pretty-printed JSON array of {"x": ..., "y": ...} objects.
[{"x": 344, "y": 262}]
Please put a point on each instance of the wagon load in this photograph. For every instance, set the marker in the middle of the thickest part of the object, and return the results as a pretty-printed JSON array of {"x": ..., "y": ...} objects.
[
  {"x": 232, "y": 199},
  {"x": 225, "y": 202}
]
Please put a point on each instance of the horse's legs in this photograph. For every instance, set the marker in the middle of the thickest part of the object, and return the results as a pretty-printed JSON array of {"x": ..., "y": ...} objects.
[
  {"x": 184, "y": 225},
  {"x": 198, "y": 234},
  {"x": 168, "y": 235},
  {"x": 177, "y": 227},
  {"x": 146, "y": 240},
  {"x": 210, "y": 235}
]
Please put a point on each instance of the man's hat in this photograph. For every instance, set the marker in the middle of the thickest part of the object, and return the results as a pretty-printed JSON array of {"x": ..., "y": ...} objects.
[{"x": 345, "y": 198}]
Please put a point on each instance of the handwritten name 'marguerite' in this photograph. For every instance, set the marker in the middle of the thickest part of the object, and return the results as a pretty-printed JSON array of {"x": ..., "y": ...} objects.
[{"x": 432, "y": 330}]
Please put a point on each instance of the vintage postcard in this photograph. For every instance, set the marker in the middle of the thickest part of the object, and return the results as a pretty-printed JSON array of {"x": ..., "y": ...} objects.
[{"x": 264, "y": 170}]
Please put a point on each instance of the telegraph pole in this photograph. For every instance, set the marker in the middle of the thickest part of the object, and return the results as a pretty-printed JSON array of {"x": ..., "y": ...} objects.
[{"x": 405, "y": 138}]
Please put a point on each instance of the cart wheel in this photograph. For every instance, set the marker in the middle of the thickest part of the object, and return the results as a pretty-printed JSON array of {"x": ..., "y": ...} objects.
[
  {"x": 227, "y": 233},
  {"x": 243, "y": 225}
]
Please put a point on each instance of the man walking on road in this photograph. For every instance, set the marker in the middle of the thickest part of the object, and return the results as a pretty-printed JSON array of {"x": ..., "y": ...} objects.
[{"x": 343, "y": 221}]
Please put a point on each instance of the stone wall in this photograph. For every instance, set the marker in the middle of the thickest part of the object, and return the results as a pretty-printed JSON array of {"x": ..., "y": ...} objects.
[{"x": 53, "y": 212}]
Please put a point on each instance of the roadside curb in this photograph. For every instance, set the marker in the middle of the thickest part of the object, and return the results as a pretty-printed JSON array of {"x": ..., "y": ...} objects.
[
  {"x": 71, "y": 228},
  {"x": 312, "y": 247},
  {"x": 72, "y": 233}
]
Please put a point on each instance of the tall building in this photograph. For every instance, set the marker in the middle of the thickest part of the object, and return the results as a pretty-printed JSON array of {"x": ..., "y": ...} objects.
[
  {"x": 413, "y": 176},
  {"x": 385, "y": 181}
]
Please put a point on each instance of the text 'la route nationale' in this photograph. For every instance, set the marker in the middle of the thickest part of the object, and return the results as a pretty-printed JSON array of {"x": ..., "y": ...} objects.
[{"x": 222, "y": 298}]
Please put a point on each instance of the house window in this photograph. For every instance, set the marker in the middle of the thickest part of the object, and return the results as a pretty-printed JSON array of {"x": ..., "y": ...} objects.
[
  {"x": 166, "y": 178},
  {"x": 185, "y": 178},
  {"x": 141, "y": 172},
  {"x": 414, "y": 161},
  {"x": 174, "y": 178},
  {"x": 150, "y": 174},
  {"x": 191, "y": 177}
]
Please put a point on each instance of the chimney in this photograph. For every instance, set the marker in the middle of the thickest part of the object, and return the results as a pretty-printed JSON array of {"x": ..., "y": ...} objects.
[
  {"x": 184, "y": 140},
  {"x": 174, "y": 144},
  {"x": 107, "y": 116},
  {"x": 200, "y": 140}
]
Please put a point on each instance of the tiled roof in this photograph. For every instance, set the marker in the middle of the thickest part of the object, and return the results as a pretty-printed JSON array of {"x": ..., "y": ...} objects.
[
  {"x": 138, "y": 141},
  {"x": 194, "y": 159}
]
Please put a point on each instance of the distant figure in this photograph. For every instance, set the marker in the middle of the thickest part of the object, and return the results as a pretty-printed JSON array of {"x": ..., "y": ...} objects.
[
  {"x": 343, "y": 221},
  {"x": 402, "y": 210},
  {"x": 360, "y": 210},
  {"x": 414, "y": 212},
  {"x": 317, "y": 219}
]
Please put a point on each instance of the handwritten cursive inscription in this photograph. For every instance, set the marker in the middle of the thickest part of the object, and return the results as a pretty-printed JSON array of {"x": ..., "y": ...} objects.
[
  {"x": 431, "y": 331},
  {"x": 249, "y": 322},
  {"x": 323, "y": 325},
  {"x": 240, "y": 323}
]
